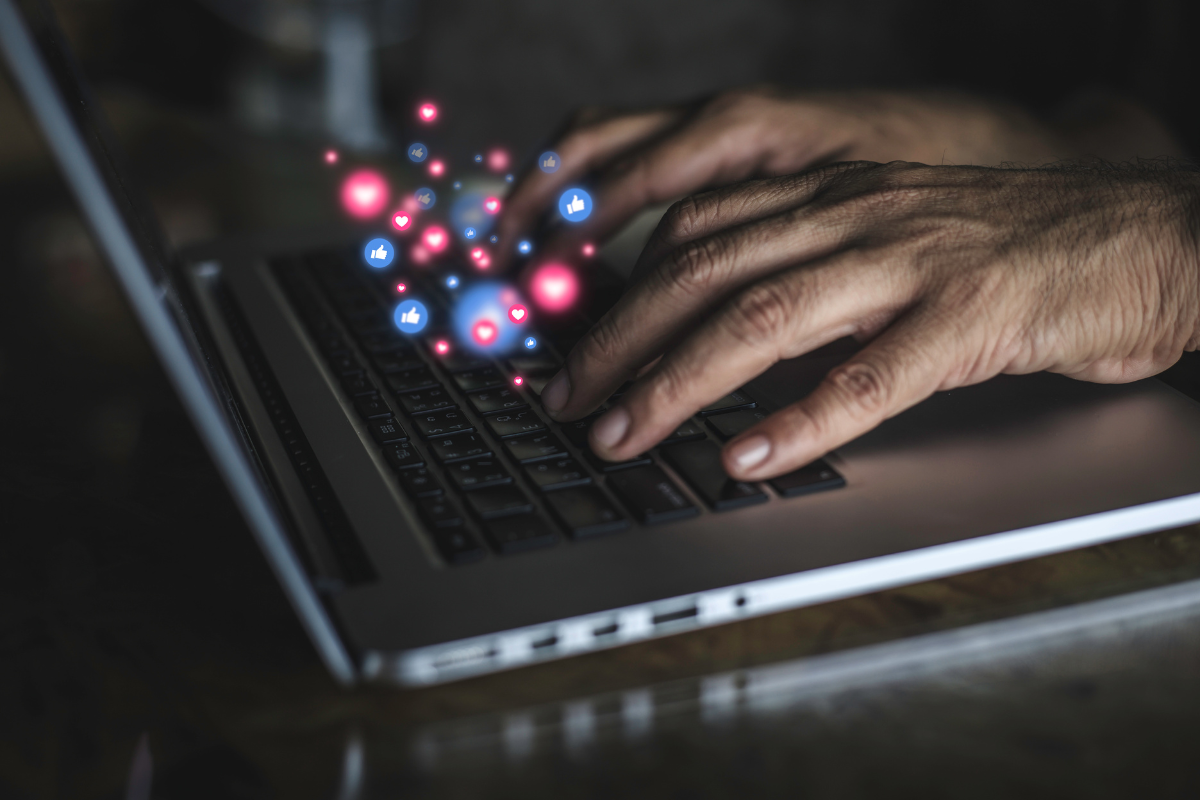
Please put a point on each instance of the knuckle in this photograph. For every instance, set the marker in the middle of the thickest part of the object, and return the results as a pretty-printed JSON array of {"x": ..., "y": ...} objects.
[
  {"x": 864, "y": 385},
  {"x": 694, "y": 267},
  {"x": 683, "y": 219},
  {"x": 762, "y": 313},
  {"x": 603, "y": 344}
]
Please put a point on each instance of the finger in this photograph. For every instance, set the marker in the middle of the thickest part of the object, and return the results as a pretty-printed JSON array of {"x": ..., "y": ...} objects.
[
  {"x": 778, "y": 318},
  {"x": 911, "y": 360},
  {"x": 680, "y": 289},
  {"x": 580, "y": 151}
]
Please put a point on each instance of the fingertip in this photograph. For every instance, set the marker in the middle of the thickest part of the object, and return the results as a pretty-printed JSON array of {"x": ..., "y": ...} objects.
[{"x": 748, "y": 456}]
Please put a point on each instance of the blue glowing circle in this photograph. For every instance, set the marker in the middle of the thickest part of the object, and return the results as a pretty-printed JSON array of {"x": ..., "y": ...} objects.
[
  {"x": 469, "y": 233},
  {"x": 575, "y": 205},
  {"x": 479, "y": 158},
  {"x": 411, "y": 317},
  {"x": 489, "y": 301},
  {"x": 493, "y": 238},
  {"x": 549, "y": 161},
  {"x": 524, "y": 247},
  {"x": 457, "y": 185},
  {"x": 530, "y": 342},
  {"x": 451, "y": 281},
  {"x": 417, "y": 152},
  {"x": 379, "y": 253},
  {"x": 426, "y": 198},
  {"x": 468, "y": 212},
  {"x": 508, "y": 178}
]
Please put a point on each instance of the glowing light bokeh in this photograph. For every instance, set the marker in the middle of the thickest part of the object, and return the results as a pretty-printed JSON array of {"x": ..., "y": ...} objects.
[
  {"x": 469, "y": 233},
  {"x": 555, "y": 287},
  {"x": 401, "y": 288},
  {"x": 331, "y": 156},
  {"x": 498, "y": 160},
  {"x": 518, "y": 380},
  {"x": 487, "y": 302},
  {"x": 402, "y": 220},
  {"x": 588, "y": 250},
  {"x": 481, "y": 257},
  {"x": 426, "y": 198},
  {"x": 419, "y": 254},
  {"x": 530, "y": 342},
  {"x": 442, "y": 347},
  {"x": 427, "y": 112},
  {"x": 451, "y": 281},
  {"x": 437, "y": 168},
  {"x": 484, "y": 332},
  {"x": 479, "y": 158},
  {"x": 364, "y": 193},
  {"x": 518, "y": 313},
  {"x": 524, "y": 247},
  {"x": 492, "y": 205},
  {"x": 467, "y": 212},
  {"x": 435, "y": 239}
]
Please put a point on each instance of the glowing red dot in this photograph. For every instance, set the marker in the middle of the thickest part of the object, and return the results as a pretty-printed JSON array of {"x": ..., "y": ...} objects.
[
  {"x": 497, "y": 160},
  {"x": 331, "y": 156},
  {"x": 401, "y": 288},
  {"x": 419, "y": 255},
  {"x": 481, "y": 257},
  {"x": 518, "y": 380},
  {"x": 588, "y": 250},
  {"x": 442, "y": 347},
  {"x": 554, "y": 287},
  {"x": 435, "y": 238},
  {"x": 364, "y": 193},
  {"x": 427, "y": 112},
  {"x": 437, "y": 168},
  {"x": 518, "y": 313},
  {"x": 491, "y": 205},
  {"x": 402, "y": 220},
  {"x": 484, "y": 332}
]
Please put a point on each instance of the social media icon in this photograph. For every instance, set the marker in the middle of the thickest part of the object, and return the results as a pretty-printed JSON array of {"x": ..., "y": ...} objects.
[
  {"x": 484, "y": 332},
  {"x": 491, "y": 205},
  {"x": 379, "y": 253},
  {"x": 427, "y": 112},
  {"x": 493, "y": 238},
  {"x": 518, "y": 313},
  {"x": 417, "y": 152},
  {"x": 411, "y": 316},
  {"x": 451, "y": 281},
  {"x": 401, "y": 221},
  {"x": 426, "y": 198},
  {"x": 469, "y": 233},
  {"x": 479, "y": 158},
  {"x": 530, "y": 343},
  {"x": 549, "y": 161},
  {"x": 457, "y": 185},
  {"x": 575, "y": 205},
  {"x": 524, "y": 247},
  {"x": 508, "y": 178}
]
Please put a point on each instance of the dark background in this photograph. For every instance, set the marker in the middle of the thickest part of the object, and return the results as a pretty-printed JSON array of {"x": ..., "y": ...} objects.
[{"x": 132, "y": 599}]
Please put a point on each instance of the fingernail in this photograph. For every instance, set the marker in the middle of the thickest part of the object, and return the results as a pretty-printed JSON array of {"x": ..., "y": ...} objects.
[
  {"x": 610, "y": 429},
  {"x": 557, "y": 392},
  {"x": 750, "y": 452}
]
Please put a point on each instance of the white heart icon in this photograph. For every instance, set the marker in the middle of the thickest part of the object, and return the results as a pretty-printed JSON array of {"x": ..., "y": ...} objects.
[
  {"x": 402, "y": 220},
  {"x": 518, "y": 314}
]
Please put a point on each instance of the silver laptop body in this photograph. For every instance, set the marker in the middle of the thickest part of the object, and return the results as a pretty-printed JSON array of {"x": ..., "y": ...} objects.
[{"x": 1011, "y": 469}]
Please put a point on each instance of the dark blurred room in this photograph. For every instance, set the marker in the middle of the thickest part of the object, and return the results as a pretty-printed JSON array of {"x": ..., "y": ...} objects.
[{"x": 146, "y": 649}]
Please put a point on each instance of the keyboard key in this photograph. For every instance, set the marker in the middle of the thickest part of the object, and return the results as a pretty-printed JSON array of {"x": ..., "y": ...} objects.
[
  {"x": 387, "y": 431},
  {"x": 816, "y": 477},
  {"x": 402, "y": 457},
  {"x": 426, "y": 400},
  {"x": 459, "y": 361},
  {"x": 557, "y": 473},
  {"x": 730, "y": 425},
  {"x": 651, "y": 495},
  {"x": 459, "y": 447},
  {"x": 493, "y": 400},
  {"x": 399, "y": 361},
  {"x": 499, "y": 501},
  {"x": 345, "y": 364},
  {"x": 481, "y": 473},
  {"x": 457, "y": 546},
  {"x": 586, "y": 511},
  {"x": 612, "y": 466},
  {"x": 420, "y": 483},
  {"x": 411, "y": 380},
  {"x": 514, "y": 423},
  {"x": 699, "y": 463},
  {"x": 439, "y": 512},
  {"x": 577, "y": 431},
  {"x": 685, "y": 433},
  {"x": 371, "y": 406},
  {"x": 534, "y": 448},
  {"x": 356, "y": 383},
  {"x": 384, "y": 342},
  {"x": 441, "y": 423},
  {"x": 477, "y": 379},
  {"x": 730, "y": 402},
  {"x": 535, "y": 365},
  {"x": 518, "y": 534}
]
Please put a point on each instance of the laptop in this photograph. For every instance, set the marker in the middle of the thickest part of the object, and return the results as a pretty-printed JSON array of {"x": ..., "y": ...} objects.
[{"x": 429, "y": 522}]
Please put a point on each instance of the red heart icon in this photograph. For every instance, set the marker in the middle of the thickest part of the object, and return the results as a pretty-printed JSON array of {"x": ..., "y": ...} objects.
[
  {"x": 484, "y": 332},
  {"x": 491, "y": 205},
  {"x": 401, "y": 221},
  {"x": 517, "y": 313}
]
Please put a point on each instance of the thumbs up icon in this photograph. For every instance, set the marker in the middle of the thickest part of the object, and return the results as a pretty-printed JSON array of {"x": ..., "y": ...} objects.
[
  {"x": 379, "y": 253},
  {"x": 575, "y": 205},
  {"x": 411, "y": 317},
  {"x": 549, "y": 162}
]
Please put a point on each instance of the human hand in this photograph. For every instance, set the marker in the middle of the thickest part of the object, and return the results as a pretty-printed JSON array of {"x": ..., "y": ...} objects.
[
  {"x": 649, "y": 157},
  {"x": 952, "y": 274}
]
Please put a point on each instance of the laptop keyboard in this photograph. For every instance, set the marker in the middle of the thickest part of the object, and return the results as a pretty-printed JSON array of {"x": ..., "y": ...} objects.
[{"x": 484, "y": 466}]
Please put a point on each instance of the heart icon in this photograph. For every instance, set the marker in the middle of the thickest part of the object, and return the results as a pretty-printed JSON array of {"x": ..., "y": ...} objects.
[
  {"x": 435, "y": 239},
  {"x": 484, "y": 332},
  {"x": 427, "y": 112},
  {"x": 364, "y": 194},
  {"x": 517, "y": 313},
  {"x": 401, "y": 221},
  {"x": 491, "y": 205}
]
